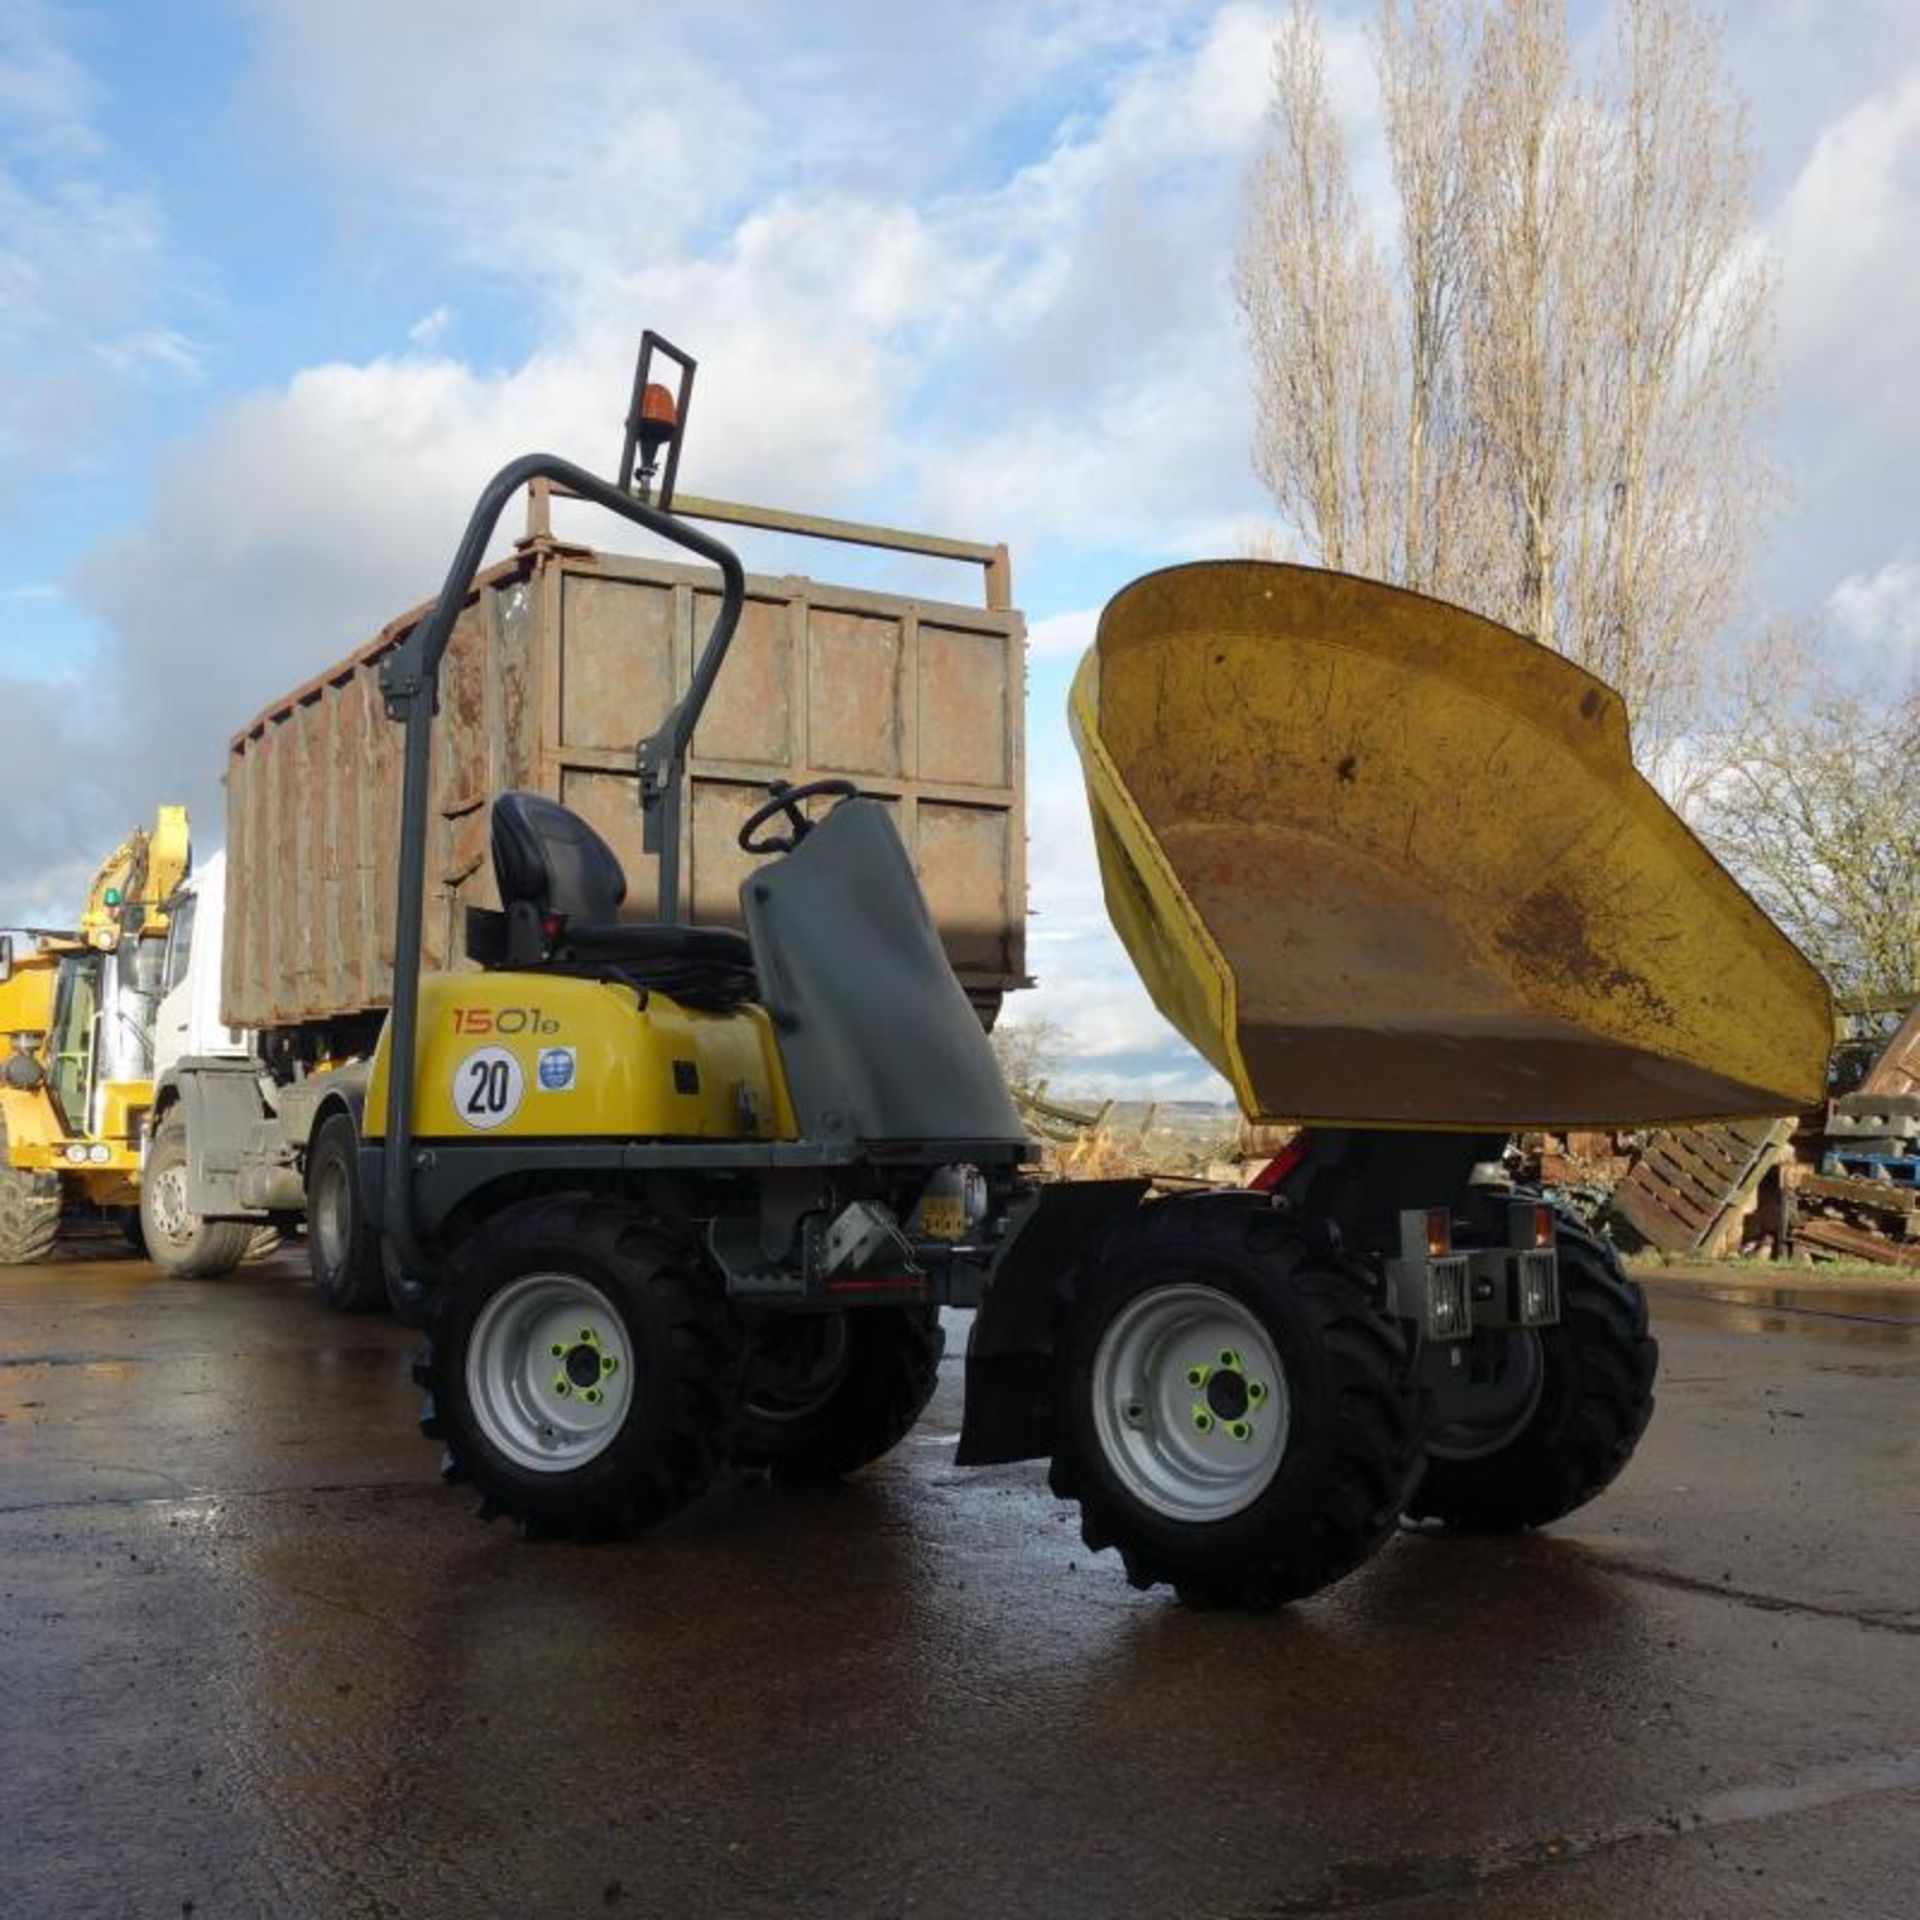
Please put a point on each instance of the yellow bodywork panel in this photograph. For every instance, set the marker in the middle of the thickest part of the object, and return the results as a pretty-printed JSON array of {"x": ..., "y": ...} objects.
[
  {"x": 26, "y": 996},
  {"x": 538, "y": 1055},
  {"x": 108, "y": 1174},
  {"x": 1386, "y": 863}
]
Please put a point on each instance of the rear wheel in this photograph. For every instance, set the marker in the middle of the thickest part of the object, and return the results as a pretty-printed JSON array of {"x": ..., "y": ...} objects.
[
  {"x": 1236, "y": 1416},
  {"x": 178, "y": 1240},
  {"x": 342, "y": 1247},
  {"x": 583, "y": 1372},
  {"x": 1567, "y": 1406},
  {"x": 29, "y": 1211},
  {"x": 827, "y": 1393}
]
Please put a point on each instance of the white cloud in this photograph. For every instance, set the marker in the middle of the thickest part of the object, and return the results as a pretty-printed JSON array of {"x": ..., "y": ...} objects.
[
  {"x": 82, "y": 262},
  {"x": 431, "y": 328},
  {"x": 1848, "y": 233},
  {"x": 47, "y": 98},
  {"x": 1875, "y": 620},
  {"x": 1063, "y": 636},
  {"x": 154, "y": 356}
]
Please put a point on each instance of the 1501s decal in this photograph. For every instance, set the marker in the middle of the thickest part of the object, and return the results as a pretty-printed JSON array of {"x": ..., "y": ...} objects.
[{"x": 503, "y": 1020}]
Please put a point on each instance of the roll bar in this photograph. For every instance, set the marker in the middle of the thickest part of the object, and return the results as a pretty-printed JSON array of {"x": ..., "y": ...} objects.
[{"x": 409, "y": 684}]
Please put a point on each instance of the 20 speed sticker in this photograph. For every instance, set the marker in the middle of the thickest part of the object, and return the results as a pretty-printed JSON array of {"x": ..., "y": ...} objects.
[{"x": 487, "y": 1086}]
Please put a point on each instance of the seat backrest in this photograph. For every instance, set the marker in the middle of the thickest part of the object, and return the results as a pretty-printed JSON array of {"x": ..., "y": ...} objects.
[
  {"x": 547, "y": 857},
  {"x": 879, "y": 1041}
]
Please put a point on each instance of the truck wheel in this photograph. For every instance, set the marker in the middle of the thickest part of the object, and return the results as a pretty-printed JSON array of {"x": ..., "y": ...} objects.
[
  {"x": 583, "y": 1372},
  {"x": 342, "y": 1247},
  {"x": 1589, "y": 1397},
  {"x": 29, "y": 1211},
  {"x": 179, "y": 1241},
  {"x": 827, "y": 1393},
  {"x": 1236, "y": 1415}
]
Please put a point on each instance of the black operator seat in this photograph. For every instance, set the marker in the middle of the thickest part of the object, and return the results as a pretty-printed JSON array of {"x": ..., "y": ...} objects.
[{"x": 561, "y": 889}]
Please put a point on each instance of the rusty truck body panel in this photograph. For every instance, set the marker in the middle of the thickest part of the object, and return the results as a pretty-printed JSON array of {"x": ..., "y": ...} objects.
[{"x": 563, "y": 659}]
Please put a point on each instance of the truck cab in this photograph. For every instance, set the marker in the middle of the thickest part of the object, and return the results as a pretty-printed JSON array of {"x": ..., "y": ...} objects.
[{"x": 188, "y": 1021}]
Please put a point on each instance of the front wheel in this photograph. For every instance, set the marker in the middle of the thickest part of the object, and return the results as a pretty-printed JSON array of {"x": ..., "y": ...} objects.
[
  {"x": 584, "y": 1374},
  {"x": 1236, "y": 1416},
  {"x": 29, "y": 1211},
  {"x": 1560, "y": 1411},
  {"x": 178, "y": 1240},
  {"x": 827, "y": 1393}
]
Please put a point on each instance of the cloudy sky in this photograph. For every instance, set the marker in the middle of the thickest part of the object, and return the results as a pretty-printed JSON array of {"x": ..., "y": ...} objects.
[{"x": 282, "y": 280}]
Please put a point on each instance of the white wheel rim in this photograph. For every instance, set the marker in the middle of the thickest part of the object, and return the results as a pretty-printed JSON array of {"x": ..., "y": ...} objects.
[
  {"x": 169, "y": 1207},
  {"x": 1190, "y": 1403},
  {"x": 549, "y": 1372}
]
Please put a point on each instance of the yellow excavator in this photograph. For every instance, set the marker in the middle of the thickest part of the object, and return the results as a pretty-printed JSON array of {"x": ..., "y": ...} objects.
[{"x": 76, "y": 1031}]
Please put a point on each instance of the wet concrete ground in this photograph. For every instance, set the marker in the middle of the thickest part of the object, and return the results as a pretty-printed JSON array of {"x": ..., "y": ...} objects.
[{"x": 255, "y": 1660}]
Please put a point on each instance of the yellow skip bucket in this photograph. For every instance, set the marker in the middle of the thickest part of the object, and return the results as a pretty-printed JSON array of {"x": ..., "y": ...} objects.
[{"x": 1386, "y": 863}]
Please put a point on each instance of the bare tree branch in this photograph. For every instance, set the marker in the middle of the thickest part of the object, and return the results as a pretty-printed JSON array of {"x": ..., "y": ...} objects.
[{"x": 1548, "y": 410}]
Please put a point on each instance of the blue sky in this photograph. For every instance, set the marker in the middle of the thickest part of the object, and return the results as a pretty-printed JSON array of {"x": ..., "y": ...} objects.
[{"x": 281, "y": 281}]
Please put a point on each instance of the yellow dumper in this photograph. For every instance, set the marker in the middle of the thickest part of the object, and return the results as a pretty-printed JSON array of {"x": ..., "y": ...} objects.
[{"x": 1385, "y": 863}]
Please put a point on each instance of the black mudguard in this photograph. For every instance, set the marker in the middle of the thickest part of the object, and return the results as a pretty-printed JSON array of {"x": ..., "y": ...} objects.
[{"x": 1009, "y": 1412}]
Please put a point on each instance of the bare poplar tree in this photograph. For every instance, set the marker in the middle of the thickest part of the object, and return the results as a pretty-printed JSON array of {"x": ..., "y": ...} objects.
[
  {"x": 1325, "y": 386},
  {"x": 1545, "y": 408}
]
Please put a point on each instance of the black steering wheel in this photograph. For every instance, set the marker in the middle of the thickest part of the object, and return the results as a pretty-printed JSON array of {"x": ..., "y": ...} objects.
[{"x": 786, "y": 800}]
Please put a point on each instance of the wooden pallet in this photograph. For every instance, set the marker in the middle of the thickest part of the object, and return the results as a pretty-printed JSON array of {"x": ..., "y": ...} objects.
[
  {"x": 1689, "y": 1190},
  {"x": 1856, "y": 1243}
]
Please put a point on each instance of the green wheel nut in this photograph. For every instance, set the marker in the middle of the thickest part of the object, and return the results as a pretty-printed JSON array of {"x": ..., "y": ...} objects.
[
  {"x": 560, "y": 1385},
  {"x": 1197, "y": 1376},
  {"x": 591, "y": 1396},
  {"x": 589, "y": 1336},
  {"x": 558, "y": 1351},
  {"x": 1229, "y": 1359},
  {"x": 1202, "y": 1420},
  {"x": 1240, "y": 1430},
  {"x": 1256, "y": 1391},
  {"x": 608, "y": 1362}
]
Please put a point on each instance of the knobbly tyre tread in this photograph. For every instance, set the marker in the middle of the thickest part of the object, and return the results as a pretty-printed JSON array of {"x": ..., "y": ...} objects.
[
  {"x": 687, "y": 1352},
  {"x": 218, "y": 1247},
  {"x": 1341, "y": 1488},
  {"x": 892, "y": 1370},
  {"x": 1594, "y": 1406},
  {"x": 29, "y": 1211}
]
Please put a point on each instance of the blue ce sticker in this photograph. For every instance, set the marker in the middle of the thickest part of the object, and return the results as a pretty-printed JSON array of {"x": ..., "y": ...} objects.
[{"x": 556, "y": 1069}]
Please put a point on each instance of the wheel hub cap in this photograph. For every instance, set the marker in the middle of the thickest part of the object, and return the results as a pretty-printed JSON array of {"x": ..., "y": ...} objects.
[
  {"x": 170, "y": 1201},
  {"x": 548, "y": 1371},
  {"x": 330, "y": 1215},
  {"x": 1190, "y": 1402}
]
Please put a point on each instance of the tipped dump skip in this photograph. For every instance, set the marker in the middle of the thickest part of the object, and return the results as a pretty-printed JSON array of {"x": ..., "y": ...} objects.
[{"x": 1386, "y": 863}]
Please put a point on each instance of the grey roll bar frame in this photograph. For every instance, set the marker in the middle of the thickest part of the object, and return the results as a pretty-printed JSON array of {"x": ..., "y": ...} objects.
[{"x": 409, "y": 685}]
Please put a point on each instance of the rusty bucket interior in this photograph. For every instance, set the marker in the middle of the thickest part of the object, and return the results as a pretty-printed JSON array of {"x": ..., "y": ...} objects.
[{"x": 1384, "y": 862}]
